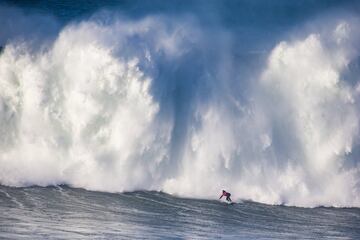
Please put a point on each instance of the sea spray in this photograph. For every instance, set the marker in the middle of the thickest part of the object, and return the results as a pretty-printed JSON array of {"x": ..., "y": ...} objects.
[{"x": 158, "y": 104}]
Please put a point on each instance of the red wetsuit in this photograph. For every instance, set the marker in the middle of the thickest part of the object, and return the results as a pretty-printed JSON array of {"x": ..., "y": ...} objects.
[{"x": 227, "y": 195}]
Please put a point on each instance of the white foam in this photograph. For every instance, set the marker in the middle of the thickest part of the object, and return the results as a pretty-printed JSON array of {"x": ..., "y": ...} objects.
[{"x": 96, "y": 110}]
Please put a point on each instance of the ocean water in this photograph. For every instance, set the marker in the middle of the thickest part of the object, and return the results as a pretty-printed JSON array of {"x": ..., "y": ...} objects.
[
  {"x": 68, "y": 213},
  {"x": 126, "y": 119}
]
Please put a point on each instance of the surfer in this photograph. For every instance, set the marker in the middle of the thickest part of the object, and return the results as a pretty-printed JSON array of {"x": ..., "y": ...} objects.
[{"x": 227, "y": 195}]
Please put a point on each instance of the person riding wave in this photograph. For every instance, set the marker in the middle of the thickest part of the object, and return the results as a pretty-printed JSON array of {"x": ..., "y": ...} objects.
[{"x": 227, "y": 195}]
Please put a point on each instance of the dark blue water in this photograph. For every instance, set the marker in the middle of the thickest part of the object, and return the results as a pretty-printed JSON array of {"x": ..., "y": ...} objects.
[{"x": 69, "y": 213}]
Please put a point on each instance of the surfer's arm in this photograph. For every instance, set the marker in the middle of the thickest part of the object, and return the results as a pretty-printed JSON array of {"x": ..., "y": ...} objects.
[{"x": 221, "y": 196}]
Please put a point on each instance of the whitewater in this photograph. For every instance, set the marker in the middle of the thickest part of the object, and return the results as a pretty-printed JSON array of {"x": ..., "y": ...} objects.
[
  {"x": 126, "y": 119},
  {"x": 157, "y": 102}
]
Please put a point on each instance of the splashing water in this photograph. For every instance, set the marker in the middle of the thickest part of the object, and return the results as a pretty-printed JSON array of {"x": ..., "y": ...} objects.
[{"x": 161, "y": 104}]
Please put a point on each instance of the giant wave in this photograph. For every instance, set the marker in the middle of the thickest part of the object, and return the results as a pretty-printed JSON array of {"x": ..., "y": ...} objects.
[{"x": 162, "y": 103}]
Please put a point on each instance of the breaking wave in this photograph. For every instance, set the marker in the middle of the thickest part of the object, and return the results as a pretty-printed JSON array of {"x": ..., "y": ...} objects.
[{"x": 162, "y": 103}]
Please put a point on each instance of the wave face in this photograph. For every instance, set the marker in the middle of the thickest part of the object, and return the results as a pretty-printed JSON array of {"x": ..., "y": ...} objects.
[
  {"x": 62, "y": 212},
  {"x": 168, "y": 102}
]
